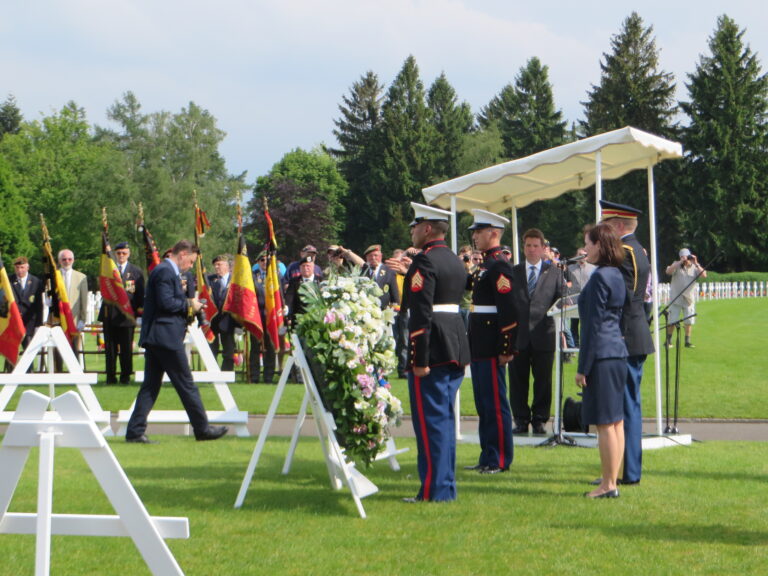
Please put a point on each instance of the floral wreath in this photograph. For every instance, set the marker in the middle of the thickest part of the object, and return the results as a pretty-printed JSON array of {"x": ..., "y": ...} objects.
[{"x": 348, "y": 341}]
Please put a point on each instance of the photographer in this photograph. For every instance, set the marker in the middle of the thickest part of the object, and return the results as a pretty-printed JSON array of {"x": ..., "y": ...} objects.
[
  {"x": 342, "y": 260},
  {"x": 684, "y": 273}
]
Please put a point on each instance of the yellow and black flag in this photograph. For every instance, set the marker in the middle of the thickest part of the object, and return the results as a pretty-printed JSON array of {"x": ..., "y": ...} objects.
[
  {"x": 12, "y": 329},
  {"x": 110, "y": 282},
  {"x": 203, "y": 288},
  {"x": 241, "y": 301},
  {"x": 60, "y": 307},
  {"x": 273, "y": 305}
]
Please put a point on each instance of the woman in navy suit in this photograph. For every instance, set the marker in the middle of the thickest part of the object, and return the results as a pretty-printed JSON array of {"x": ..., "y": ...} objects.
[{"x": 602, "y": 367}]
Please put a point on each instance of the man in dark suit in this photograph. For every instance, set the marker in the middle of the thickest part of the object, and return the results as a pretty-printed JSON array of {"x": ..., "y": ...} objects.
[
  {"x": 438, "y": 351},
  {"x": 293, "y": 298},
  {"x": 385, "y": 278},
  {"x": 164, "y": 324},
  {"x": 28, "y": 293},
  {"x": 634, "y": 328},
  {"x": 118, "y": 328},
  {"x": 492, "y": 330},
  {"x": 222, "y": 325},
  {"x": 536, "y": 285}
]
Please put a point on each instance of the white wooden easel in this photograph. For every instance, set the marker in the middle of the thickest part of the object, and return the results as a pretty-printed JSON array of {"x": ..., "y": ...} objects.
[
  {"x": 49, "y": 338},
  {"x": 340, "y": 471},
  {"x": 212, "y": 373},
  {"x": 33, "y": 427}
]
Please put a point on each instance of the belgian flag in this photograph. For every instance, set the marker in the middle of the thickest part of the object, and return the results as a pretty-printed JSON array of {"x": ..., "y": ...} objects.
[
  {"x": 273, "y": 305},
  {"x": 241, "y": 301},
  {"x": 111, "y": 283},
  {"x": 12, "y": 329}
]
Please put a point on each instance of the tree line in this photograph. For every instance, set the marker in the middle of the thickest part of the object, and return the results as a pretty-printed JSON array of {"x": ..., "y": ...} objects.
[{"x": 393, "y": 141}]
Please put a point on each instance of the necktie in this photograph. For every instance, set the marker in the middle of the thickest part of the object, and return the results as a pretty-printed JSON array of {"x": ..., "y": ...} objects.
[{"x": 532, "y": 280}]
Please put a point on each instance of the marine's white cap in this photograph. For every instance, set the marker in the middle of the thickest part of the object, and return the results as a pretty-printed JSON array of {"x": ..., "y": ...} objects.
[
  {"x": 422, "y": 213},
  {"x": 485, "y": 219}
]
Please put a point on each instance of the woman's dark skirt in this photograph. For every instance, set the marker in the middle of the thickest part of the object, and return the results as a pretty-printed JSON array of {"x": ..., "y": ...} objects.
[{"x": 603, "y": 397}]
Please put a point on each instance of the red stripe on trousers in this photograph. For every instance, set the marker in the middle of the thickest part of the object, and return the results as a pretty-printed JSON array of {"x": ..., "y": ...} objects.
[
  {"x": 497, "y": 404},
  {"x": 420, "y": 408}
]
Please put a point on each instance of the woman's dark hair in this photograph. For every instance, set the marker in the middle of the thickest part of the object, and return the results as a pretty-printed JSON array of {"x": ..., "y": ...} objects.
[{"x": 611, "y": 252}]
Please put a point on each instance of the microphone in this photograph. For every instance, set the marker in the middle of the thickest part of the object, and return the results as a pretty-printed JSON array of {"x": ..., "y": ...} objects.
[{"x": 575, "y": 259}]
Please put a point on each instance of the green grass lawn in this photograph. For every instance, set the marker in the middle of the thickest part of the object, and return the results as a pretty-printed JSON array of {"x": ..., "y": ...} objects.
[
  {"x": 725, "y": 376},
  {"x": 700, "y": 509}
]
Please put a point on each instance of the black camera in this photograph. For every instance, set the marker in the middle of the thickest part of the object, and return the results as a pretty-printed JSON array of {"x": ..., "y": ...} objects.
[
  {"x": 690, "y": 257},
  {"x": 465, "y": 257},
  {"x": 202, "y": 320}
]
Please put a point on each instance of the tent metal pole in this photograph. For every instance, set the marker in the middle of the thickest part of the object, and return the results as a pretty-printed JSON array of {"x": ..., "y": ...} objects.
[
  {"x": 598, "y": 183},
  {"x": 515, "y": 241},
  {"x": 454, "y": 218},
  {"x": 655, "y": 285}
]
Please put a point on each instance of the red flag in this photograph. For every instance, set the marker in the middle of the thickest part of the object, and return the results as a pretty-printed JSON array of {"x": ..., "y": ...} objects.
[
  {"x": 204, "y": 293},
  {"x": 201, "y": 222},
  {"x": 241, "y": 300},
  {"x": 12, "y": 329},
  {"x": 60, "y": 308},
  {"x": 273, "y": 299},
  {"x": 150, "y": 248},
  {"x": 111, "y": 283}
]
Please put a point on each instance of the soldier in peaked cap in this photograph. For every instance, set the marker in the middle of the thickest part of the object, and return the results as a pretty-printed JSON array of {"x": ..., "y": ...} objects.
[
  {"x": 634, "y": 328},
  {"x": 438, "y": 350},
  {"x": 492, "y": 331}
]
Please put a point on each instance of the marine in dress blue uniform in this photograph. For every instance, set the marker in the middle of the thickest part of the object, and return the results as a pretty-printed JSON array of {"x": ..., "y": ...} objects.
[
  {"x": 438, "y": 351},
  {"x": 492, "y": 333},
  {"x": 634, "y": 328}
]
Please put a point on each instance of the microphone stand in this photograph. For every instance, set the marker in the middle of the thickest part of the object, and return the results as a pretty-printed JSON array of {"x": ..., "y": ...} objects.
[
  {"x": 665, "y": 313},
  {"x": 558, "y": 438}
]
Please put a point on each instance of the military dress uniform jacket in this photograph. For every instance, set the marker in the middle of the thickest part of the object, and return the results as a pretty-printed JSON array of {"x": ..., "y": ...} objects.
[
  {"x": 436, "y": 277},
  {"x": 634, "y": 323},
  {"x": 29, "y": 301},
  {"x": 536, "y": 328},
  {"x": 492, "y": 334},
  {"x": 133, "y": 282}
]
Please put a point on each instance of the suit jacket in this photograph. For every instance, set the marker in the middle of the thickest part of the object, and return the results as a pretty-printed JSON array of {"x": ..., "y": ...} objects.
[
  {"x": 133, "y": 281},
  {"x": 223, "y": 321},
  {"x": 385, "y": 279},
  {"x": 293, "y": 297},
  {"x": 634, "y": 322},
  {"x": 77, "y": 295},
  {"x": 535, "y": 328},
  {"x": 29, "y": 301},
  {"x": 436, "y": 276},
  {"x": 600, "y": 309},
  {"x": 164, "y": 322}
]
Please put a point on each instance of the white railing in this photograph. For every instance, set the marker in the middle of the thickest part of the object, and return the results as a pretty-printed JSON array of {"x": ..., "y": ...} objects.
[{"x": 722, "y": 290}]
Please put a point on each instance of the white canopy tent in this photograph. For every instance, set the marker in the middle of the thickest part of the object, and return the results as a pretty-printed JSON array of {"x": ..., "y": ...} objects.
[{"x": 553, "y": 172}]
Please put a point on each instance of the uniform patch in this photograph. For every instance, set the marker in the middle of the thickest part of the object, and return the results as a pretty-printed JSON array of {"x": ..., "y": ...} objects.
[
  {"x": 417, "y": 282},
  {"x": 503, "y": 285}
]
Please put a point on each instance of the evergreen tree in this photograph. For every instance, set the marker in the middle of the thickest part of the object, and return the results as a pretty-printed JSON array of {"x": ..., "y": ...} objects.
[
  {"x": 10, "y": 117},
  {"x": 451, "y": 123},
  {"x": 726, "y": 144},
  {"x": 406, "y": 160},
  {"x": 634, "y": 91},
  {"x": 359, "y": 137}
]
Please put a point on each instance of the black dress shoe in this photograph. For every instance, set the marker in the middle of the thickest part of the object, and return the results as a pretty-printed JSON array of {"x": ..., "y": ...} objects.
[
  {"x": 492, "y": 470},
  {"x": 628, "y": 482},
  {"x": 211, "y": 433},
  {"x": 475, "y": 467},
  {"x": 610, "y": 494},
  {"x": 520, "y": 429},
  {"x": 139, "y": 440},
  {"x": 539, "y": 429}
]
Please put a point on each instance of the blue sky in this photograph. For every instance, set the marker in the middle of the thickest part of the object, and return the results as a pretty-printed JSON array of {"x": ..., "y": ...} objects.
[{"x": 273, "y": 72}]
